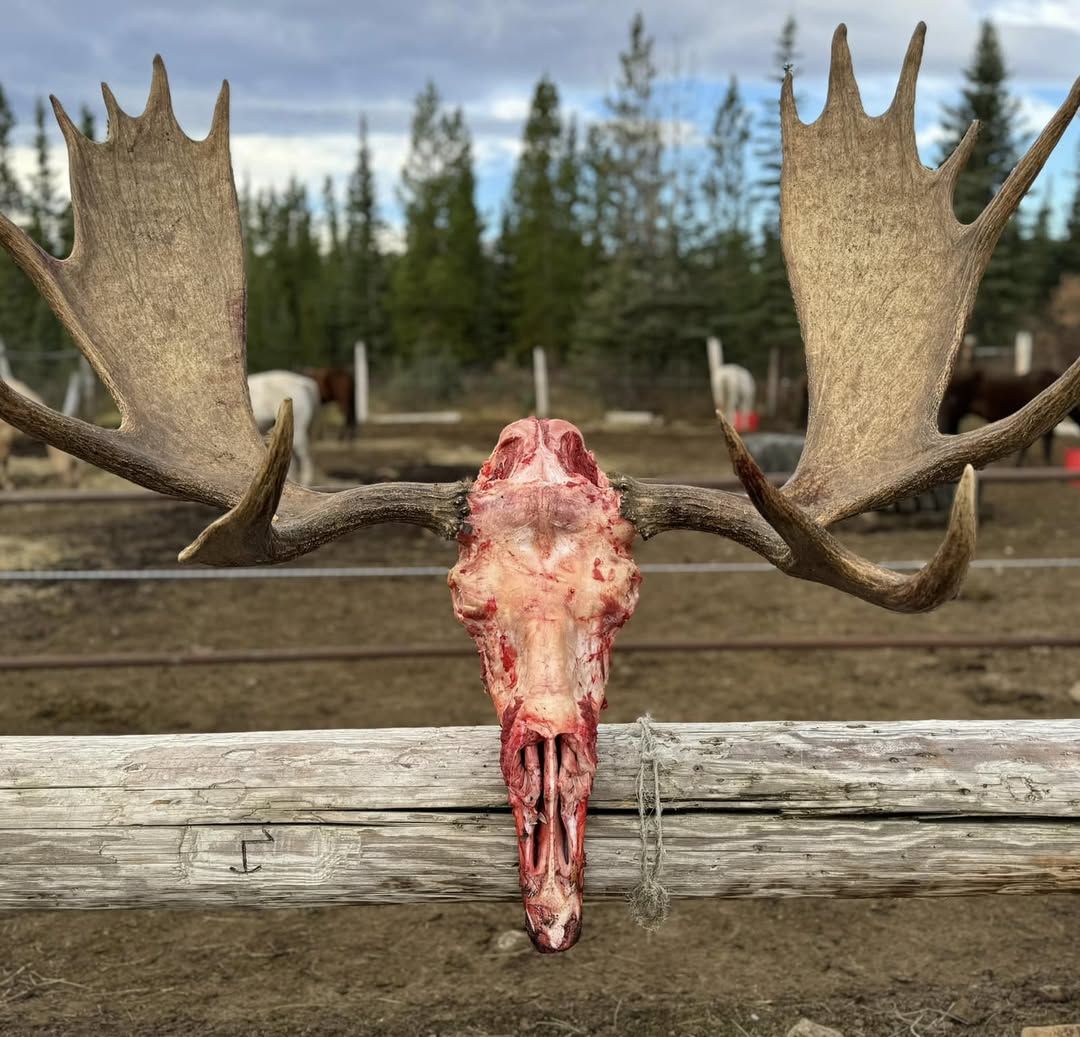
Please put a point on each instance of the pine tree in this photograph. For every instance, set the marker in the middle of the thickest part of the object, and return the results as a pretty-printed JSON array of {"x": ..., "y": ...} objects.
[
  {"x": 768, "y": 151},
  {"x": 365, "y": 274},
  {"x": 729, "y": 282},
  {"x": 725, "y": 183},
  {"x": 13, "y": 296},
  {"x": 46, "y": 333},
  {"x": 1042, "y": 256},
  {"x": 462, "y": 276},
  {"x": 42, "y": 195},
  {"x": 335, "y": 348},
  {"x": 1069, "y": 258},
  {"x": 778, "y": 326},
  {"x": 541, "y": 240},
  {"x": 438, "y": 284},
  {"x": 637, "y": 299},
  {"x": 999, "y": 307}
]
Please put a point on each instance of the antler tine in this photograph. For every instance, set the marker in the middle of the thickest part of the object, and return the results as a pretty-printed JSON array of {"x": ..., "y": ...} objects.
[
  {"x": 814, "y": 554},
  {"x": 949, "y": 170},
  {"x": 114, "y": 114},
  {"x": 903, "y": 102},
  {"x": 251, "y": 520},
  {"x": 71, "y": 133},
  {"x": 992, "y": 219},
  {"x": 843, "y": 92},
  {"x": 219, "y": 122},
  {"x": 789, "y": 112}
]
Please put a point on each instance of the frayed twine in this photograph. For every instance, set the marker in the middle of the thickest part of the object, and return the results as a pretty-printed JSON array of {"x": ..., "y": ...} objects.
[{"x": 649, "y": 900}]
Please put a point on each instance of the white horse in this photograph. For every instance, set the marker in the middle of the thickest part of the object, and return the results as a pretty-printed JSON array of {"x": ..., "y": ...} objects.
[
  {"x": 267, "y": 390},
  {"x": 65, "y": 466},
  {"x": 733, "y": 390}
]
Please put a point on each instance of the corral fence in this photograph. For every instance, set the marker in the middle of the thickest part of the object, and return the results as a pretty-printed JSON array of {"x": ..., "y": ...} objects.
[
  {"x": 389, "y": 816},
  {"x": 308, "y": 818}
]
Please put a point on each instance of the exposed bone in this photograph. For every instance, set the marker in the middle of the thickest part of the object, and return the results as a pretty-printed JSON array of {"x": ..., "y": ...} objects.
[{"x": 543, "y": 582}]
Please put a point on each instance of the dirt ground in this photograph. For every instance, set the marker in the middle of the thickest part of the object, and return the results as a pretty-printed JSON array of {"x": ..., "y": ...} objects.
[{"x": 978, "y": 966}]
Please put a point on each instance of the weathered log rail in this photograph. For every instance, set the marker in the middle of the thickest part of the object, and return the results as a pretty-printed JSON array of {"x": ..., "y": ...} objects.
[{"x": 320, "y": 817}]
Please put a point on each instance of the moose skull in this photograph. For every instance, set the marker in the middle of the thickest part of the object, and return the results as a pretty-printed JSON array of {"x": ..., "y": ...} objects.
[{"x": 544, "y": 580}]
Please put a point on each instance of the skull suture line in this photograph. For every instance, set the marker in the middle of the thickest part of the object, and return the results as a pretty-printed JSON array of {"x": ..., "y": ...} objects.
[{"x": 543, "y": 582}]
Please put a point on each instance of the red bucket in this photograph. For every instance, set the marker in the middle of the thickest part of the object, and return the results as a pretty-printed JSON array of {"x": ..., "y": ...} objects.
[{"x": 1072, "y": 461}]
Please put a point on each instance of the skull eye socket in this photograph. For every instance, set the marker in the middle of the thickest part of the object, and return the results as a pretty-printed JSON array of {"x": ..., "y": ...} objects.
[
  {"x": 506, "y": 458},
  {"x": 575, "y": 459}
]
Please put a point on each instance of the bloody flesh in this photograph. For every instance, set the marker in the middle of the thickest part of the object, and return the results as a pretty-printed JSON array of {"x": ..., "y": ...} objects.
[{"x": 543, "y": 582}]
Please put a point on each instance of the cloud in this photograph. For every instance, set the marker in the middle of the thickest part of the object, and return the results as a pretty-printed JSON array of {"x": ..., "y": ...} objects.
[{"x": 301, "y": 74}]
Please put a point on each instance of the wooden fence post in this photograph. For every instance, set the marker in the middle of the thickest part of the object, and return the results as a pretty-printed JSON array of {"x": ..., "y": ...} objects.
[
  {"x": 360, "y": 382},
  {"x": 715, "y": 353},
  {"x": 540, "y": 380}
]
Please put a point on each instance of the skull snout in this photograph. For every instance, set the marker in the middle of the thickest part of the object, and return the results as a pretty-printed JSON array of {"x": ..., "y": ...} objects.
[{"x": 549, "y": 777}]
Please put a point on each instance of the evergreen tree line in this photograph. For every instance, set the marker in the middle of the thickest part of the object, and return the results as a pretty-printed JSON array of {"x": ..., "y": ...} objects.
[{"x": 611, "y": 245}]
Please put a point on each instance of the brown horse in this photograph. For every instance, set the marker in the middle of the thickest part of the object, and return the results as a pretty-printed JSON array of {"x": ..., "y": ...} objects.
[
  {"x": 336, "y": 385},
  {"x": 995, "y": 396}
]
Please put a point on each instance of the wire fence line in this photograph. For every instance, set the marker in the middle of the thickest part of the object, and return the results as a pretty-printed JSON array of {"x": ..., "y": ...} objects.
[
  {"x": 373, "y": 653},
  {"x": 140, "y": 496},
  {"x": 383, "y": 572}
]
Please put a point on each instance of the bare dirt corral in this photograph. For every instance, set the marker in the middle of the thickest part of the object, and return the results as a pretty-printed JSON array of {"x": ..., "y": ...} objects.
[{"x": 967, "y": 966}]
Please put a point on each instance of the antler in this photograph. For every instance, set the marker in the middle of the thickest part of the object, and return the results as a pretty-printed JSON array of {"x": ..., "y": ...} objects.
[
  {"x": 153, "y": 293},
  {"x": 884, "y": 279}
]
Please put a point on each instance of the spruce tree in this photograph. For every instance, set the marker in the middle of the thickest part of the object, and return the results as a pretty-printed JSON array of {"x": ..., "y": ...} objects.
[
  {"x": 46, "y": 333},
  {"x": 637, "y": 295},
  {"x": 438, "y": 284},
  {"x": 13, "y": 294},
  {"x": 1000, "y": 306},
  {"x": 728, "y": 280},
  {"x": 778, "y": 326},
  {"x": 768, "y": 151},
  {"x": 365, "y": 275},
  {"x": 1069, "y": 258},
  {"x": 541, "y": 237}
]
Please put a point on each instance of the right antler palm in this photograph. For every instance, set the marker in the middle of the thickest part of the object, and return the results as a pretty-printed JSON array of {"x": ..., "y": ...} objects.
[{"x": 884, "y": 277}]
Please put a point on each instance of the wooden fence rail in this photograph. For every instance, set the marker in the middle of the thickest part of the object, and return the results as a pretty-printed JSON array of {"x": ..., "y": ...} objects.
[{"x": 321, "y": 817}]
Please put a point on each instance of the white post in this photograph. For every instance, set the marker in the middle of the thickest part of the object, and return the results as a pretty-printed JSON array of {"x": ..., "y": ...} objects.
[
  {"x": 87, "y": 388},
  {"x": 1022, "y": 352},
  {"x": 715, "y": 353},
  {"x": 5, "y": 367},
  {"x": 772, "y": 384},
  {"x": 360, "y": 382},
  {"x": 72, "y": 395},
  {"x": 540, "y": 379}
]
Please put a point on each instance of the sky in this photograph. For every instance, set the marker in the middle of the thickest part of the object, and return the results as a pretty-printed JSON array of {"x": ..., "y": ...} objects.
[{"x": 301, "y": 73}]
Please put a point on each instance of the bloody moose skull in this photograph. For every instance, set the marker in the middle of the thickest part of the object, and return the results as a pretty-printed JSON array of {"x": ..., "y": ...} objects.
[{"x": 544, "y": 579}]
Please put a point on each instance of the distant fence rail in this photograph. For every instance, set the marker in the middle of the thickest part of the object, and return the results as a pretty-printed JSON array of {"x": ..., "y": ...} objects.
[
  {"x": 309, "y": 818},
  {"x": 135, "y": 496},
  {"x": 397, "y": 572},
  {"x": 373, "y": 653}
]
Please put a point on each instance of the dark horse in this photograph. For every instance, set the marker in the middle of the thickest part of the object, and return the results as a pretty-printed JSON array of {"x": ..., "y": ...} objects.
[
  {"x": 995, "y": 396},
  {"x": 336, "y": 385}
]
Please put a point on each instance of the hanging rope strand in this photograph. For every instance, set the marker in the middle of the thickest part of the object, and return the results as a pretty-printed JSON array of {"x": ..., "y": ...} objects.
[{"x": 649, "y": 900}]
